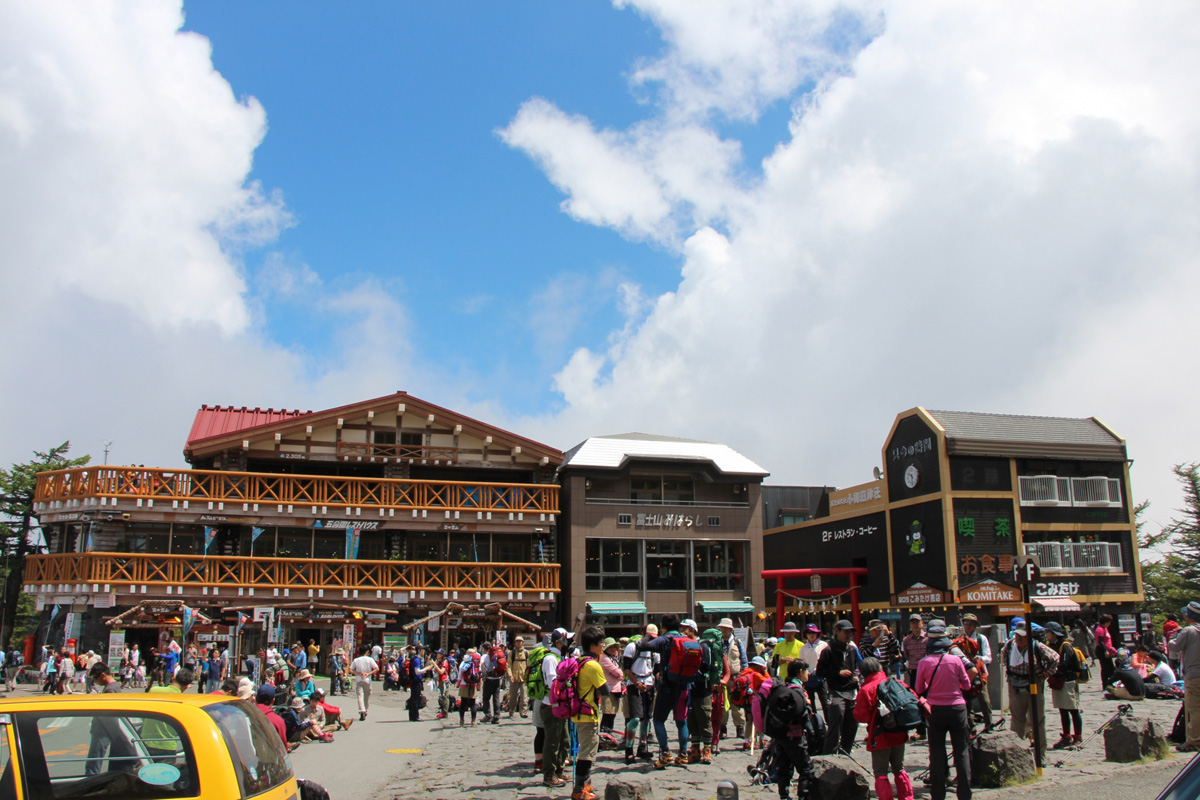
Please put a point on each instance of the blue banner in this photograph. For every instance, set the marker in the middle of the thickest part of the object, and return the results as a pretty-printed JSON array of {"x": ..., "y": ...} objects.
[
  {"x": 189, "y": 619},
  {"x": 255, "y": 533},
  {"x": 241, "y": 621},
  {"x": 209, "y": 535},
  {"x": 352, "y": 536}
]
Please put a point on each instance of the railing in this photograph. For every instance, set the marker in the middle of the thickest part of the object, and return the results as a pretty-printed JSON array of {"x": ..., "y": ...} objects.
[
  {"x": 397, "y": 452},
  {"x": 88, "y": 485},
  {"x": 625, "y": 501},
  {"x": 1077, "y": 557},
  {"x": 287, "y": 573}
]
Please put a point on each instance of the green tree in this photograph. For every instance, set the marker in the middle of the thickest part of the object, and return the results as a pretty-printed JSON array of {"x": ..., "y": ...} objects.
[
  {"x": 18, "y": 522},
  {"x": 1171, "y": 581}
]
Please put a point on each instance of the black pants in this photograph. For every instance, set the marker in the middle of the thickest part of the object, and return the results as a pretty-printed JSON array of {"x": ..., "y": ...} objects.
[
  {"x": 491, "y": 698},
  {"x": 842, "y": 726},
  {"x": 819, "y": 692},
  {"x": 414, "y": 702},
  {"x": 793, "y": 754},
  {"x": 1107, "y": 669},
  {"x": 951, "y": 720}
]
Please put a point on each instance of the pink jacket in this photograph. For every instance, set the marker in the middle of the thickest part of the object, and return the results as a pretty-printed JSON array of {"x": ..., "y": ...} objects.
[
  {"x": 613, "y": 676},
  {"x": 1104, "y": 642}
]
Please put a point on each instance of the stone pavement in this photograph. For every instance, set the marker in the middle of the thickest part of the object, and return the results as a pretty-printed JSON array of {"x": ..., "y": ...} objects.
[{"x": 495, "y": 762}]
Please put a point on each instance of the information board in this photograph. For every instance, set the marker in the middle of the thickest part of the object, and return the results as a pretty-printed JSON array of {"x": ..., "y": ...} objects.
[{"x": 116, "y": 650}]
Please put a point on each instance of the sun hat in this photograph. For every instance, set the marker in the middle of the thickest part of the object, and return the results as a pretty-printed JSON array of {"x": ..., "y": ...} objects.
[
  {"x": 303, "y": 674},
  {"x": 935, "y": 629},
  {"x": 297, "y": 702},
  {"x": 689, "y": 623},
  {"x": 610, "y": 642},
  {"x": 725, "y": 622},
  {"x": 245, "y": 689},
  {"x": 758, "y": 661},
  {"x": 970, "y": 618},
  {"x": 790, "y": 627}
]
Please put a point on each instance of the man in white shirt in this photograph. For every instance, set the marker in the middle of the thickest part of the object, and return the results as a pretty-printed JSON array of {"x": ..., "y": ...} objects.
[
  {"x": 738, "y": 660},
  {"x": 364, "y": 669},
  {"x": 810, "y": 654},
  {"x": 377, "y": 655},
  {"x": 639, "y": 692}
]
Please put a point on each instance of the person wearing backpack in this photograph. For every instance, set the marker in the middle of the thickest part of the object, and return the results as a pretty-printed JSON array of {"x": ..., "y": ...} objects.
[
  {"x": 700, "y": 700},
  {"x": 494, "y": 667},
  {"x": 838, "y": 667},
  {"x": 738, "y": 660},
  {"x": 557, "y": 742},
  {"x": 1185, "y": 647},
  {"x": 942, "y": 679},
  {"x": 681, "y": 659},
  {"x": 590, "y": 687},
  {"x": 1064, "y": 686},
  {"x": 785, "y": 720},
  {"x": 979, "y": 651},
  {"x": 886, "y": 747},
  {"x": 468, "y": 686},
  {"x": 1026, "y": 661},
  {"x": 639, "y": 669}
]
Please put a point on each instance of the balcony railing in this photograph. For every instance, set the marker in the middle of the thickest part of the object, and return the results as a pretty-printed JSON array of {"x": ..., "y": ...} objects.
[
  {"x": 100, "y": 485},
  {"x": 396, "y": 452},
  {"x": 1077, "y": 557},
  {"x": 287, "y": 573}
]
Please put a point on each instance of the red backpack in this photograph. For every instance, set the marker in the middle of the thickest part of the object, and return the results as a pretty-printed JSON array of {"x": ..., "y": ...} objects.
[
  {"x": 686, "y": 660},
  {"x": 740, "y": 690},
  {"x": 499, "y": 662},
  {"x": 468, "y": 672}
]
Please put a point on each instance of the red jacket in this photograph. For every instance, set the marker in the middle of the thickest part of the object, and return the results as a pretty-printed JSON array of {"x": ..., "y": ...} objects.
[
  {"x": 866, "y": 710},
  {"x": 276, "y": 721}
]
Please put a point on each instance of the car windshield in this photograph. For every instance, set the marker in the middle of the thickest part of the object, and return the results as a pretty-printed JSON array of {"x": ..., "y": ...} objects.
[
  {"x": 259, "y": 757},
  {"x": 1186, "y": 785}
]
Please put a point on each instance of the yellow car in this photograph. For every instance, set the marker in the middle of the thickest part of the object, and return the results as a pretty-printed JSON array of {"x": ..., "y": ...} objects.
[{"x": 151, "y": 746}]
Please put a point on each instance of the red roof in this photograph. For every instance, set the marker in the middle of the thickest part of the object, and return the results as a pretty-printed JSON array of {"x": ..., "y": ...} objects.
[{"x": 218, "y": 420}]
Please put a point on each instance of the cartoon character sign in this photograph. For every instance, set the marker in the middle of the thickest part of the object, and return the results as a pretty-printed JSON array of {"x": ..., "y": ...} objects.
[{"x": 915, "y": 539}]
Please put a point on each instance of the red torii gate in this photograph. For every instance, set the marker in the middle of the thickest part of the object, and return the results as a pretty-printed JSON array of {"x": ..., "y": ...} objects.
[{"x": 780, "y": 575}]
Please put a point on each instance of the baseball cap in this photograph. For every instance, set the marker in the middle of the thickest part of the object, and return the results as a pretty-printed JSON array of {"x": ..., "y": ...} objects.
[
  {"x": 758, "y": 661},
  {"x": 1191, "y": 610},
  {"x": 915, "y": 616},
  {"x": 689, "y": 623},
  {"x": 970, "y": 618},
  {"x": 265, "y": 694},
  {"x": 811, "y": 628},
  {"x": 844, "y": 625},
  {"x": 560, "y": 633},
  {"x": 1018, "y": 629}
]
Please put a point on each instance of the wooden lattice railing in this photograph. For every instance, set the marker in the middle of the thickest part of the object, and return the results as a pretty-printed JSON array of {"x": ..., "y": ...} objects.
[
  {"x": 287, "y": 573},
  {"x": 397, "y": 452},
  {"x": 133, "y": 483}
]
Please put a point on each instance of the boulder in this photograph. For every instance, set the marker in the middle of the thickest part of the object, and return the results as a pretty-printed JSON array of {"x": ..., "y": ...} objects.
[
  {"x": 618, "y": 789},
  {"x": 1001, "y": 758},
  {"x": 839, "y": 778},
  {"x": 1132, "y": 737}
]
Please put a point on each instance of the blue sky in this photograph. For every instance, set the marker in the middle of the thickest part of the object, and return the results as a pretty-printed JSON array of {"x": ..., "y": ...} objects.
[
  {"x": 382, "y": 138},
  {"x": 770, "y": 224}
]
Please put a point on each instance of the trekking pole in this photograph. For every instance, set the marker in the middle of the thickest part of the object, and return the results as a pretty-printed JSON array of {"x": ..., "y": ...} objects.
[{"x": 1122, "y": 710}]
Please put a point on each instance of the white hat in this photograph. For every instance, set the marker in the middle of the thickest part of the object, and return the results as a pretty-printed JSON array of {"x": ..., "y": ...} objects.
[
  {"x": 725, "y": 622},
  {"x": 689, "y": 623}
]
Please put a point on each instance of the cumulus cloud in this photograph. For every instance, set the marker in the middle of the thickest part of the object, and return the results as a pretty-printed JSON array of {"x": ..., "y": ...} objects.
[{"x": 973, "y": 209}]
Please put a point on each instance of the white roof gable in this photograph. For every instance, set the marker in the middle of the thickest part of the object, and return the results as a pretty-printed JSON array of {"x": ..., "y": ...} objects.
[{"x": 611, "y": 452}]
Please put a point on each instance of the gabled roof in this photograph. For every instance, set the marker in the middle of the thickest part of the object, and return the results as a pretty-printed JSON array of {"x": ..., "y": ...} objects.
[
  {"x": 973, "y": 433},
  {"x": 216, "y": 428},
  {"x": 615, "y": 450}
]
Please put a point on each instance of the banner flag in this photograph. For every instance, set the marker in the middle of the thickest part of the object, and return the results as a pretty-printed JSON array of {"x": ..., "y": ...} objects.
[
  {"x": 209, "y": 534},
  {"x": 255, "y": 533}
]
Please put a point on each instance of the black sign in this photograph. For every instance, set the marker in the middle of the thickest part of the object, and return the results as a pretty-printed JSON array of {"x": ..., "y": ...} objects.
[
  {"x": 919, "y": 546},
  {"x": 1028, "y": 572},
  {"x": 841, "y": 542},
  {"x": 974, "y": 474},
  {"x": 985, "y": 539},
  {"x": 912, "y": 460}
]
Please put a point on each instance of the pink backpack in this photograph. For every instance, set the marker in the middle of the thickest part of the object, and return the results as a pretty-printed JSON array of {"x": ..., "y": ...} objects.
[{"x": 565, "y": 701}]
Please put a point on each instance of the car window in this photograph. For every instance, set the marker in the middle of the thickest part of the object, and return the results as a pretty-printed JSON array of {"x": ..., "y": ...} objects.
[
  {"x": 111, "y": 753},
  {"x": 1186, "y": 785},
  {"x": 8, "y": 779},
  {"x": 259, "y": 757}
]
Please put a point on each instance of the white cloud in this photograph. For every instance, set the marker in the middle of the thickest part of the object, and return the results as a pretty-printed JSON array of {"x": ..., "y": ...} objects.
[{"x": 981, "y": 210}]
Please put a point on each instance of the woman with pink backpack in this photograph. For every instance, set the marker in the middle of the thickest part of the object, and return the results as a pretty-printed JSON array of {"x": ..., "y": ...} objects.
[{"x": 468, "y": 686}]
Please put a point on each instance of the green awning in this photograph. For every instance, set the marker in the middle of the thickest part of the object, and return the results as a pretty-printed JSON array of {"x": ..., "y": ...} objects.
[
  {"x": 613, "y": 609},
  {"x": 725, "y": 607}
]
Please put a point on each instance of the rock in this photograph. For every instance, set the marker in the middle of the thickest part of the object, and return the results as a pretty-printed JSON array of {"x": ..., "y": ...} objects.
[
  {"x": 617, "y": 789},
  {"x": 1132, "y": 737},
  {"x": 1001, "y": 758},
  {"x": 838, "y": 778}
]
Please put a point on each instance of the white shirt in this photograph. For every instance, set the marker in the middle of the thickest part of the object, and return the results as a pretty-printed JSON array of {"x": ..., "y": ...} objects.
[
  {"x": 135, "y": 656},
  {"x": 376, "y": 652},
  {"x": 362, "y": 667},
  {"x": 550, "y": 669},
  {"x": 1164, "y": 672},
  {"x": 810, "y": 654},
  {"x": 643, "y": 663}
]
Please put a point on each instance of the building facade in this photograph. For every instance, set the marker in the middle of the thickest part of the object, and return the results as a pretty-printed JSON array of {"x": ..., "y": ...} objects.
[
  {"x": 960, "y": 500},
  {"x": 369, "y": 515},
  {"x": 654, "y": 525}
]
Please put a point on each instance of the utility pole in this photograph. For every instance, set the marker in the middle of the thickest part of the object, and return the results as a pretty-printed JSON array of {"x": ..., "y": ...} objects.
[{"x": 107, "y": 445}]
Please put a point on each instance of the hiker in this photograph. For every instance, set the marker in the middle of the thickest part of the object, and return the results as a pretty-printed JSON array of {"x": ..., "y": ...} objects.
[
  {"x": 680, "y": 664},
  {"x": 787, "y": 650},
  {"x": 441, "y": 681},
  {"x": 787, "y": 708},
  {"x": 886, "y": 747},
  {"x": 494, "y": 667},
  {"x": 839, "y": 668},
  {"x": 755, "y": 675},
  {"x": 977, "y": 648},
  {"x": 1160, "y": 669},
  {"x": 416, "y": 669},
  {"x": 720, "y": 676},
  {"x": 810, "y": 654},
  {"x": 1064, "y": 686},
  {"x": 1027, "y": 662},
  {"x": 1126, "y": 682},
  {"x": 1106, "y": 651},
  {"x": 557, "y": 742},
  {"x": 700, "y": 700},
  {"x": 590, "y": 686},
  {"x": 1185, "y": 648},
  {"x": 941, "y": 679},
  {"x": 518, "y": 673},
  {"x": 364, "y": 668},
  {"x": 912, "y": 648},
  {"x": 469, "y": 678},
  {"x": 639, "y": 669},
  {"x": 738, "y": 660},
  {"x": 610, "y": 662}
]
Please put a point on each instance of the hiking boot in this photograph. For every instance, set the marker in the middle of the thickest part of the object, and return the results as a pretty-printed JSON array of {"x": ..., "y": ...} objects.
[
  {"x": 739, "y": 732},
  {"x": 629, "y": 758},
  {"x": 1064, "y": 742},
  {"x": 644, "y": 754},
  {"x": 663, "y": 761},
  {"x": 585, "y": 793},
  {"x": 693, "y": 756},
  {"x": 537, "y": 765},
  {"x": 680, "y": 760},
  {"x": 554, "y": 782},
  {"x": 706, "y": 755},
  {"x": 362, "y": 715}
]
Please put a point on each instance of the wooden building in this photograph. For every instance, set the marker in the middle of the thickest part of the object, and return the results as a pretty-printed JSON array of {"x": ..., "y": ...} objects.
[{"x": 370, "y": 514}]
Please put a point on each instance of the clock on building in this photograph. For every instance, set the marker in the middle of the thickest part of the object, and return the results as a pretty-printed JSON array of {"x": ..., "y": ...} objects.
[{"x": 912, "y": 476}]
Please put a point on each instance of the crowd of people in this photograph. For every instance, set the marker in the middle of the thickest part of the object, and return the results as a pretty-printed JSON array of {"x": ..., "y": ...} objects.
[{"x": 785, "y": 698}]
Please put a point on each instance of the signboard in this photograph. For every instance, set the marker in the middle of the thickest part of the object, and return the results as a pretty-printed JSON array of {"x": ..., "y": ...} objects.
[
  {"x": 344, "y": 524},
  {"x": 394, "y": 641},
  {"x": 221, "y": 519},
  {"x": 889, "y": 616},
  {"x": 1127, "y": 624},
  {"x": 921, "y": 595},
  {"x": 814, "y": 583},
  {"x": 263, "y": 613},
  {"x": 116, "y": 650},
  {"x": 989, "y": 592},
  {"x": 1010, "y": 611},
  {"x": 980, "y": 474},
  {"x": 984, "y": 540},
  {"x": 104, "y": 600},
  {"x": 918, "y": 545},
  {"x": 844, "y": 541},
  {"x": 1059, "y": 589},
  {"x": 349, "y": 638},
  {"x": 863, "y": 497},
  {"x": 213, "y": 637},
  {"x": 502, "y": 638}
]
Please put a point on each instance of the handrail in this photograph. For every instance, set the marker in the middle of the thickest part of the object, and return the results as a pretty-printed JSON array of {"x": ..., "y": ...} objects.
[
  {"x": 134, "y": 483},
  {"x": 288, "y": 573}
]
